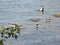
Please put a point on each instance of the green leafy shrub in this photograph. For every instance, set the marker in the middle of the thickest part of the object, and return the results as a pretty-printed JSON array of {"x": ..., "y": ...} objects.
[{"x": 8, "y": 32}]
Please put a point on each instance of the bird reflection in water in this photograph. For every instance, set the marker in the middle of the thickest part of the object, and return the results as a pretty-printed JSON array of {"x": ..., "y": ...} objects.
[{"x": 37, "y": 26}]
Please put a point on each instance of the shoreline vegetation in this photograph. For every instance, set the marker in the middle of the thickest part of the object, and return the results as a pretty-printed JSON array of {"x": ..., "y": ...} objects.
[{"x": 10, "y": 32}]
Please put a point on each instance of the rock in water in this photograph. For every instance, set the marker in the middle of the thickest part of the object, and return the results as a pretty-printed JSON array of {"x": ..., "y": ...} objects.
[{"x": 57, "y": 15}]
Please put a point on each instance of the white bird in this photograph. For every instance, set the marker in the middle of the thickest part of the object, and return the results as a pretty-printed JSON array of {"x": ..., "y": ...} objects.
[{"x": 42, "y": 9}]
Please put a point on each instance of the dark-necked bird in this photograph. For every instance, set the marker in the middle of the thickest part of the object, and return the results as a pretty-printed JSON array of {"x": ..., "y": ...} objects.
[{"x": 42, "y": 9}]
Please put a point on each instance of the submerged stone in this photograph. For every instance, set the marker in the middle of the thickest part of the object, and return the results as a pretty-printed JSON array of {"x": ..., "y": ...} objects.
[{"x": 57, "y": 15}]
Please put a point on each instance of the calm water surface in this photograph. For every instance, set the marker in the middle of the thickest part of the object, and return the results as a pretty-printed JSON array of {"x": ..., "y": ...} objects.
[{"x": 21, "y": 11}]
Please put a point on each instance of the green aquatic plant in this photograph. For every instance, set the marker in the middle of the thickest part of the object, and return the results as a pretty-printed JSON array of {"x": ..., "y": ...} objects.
[
  {"x": 1, "y": 41},
  {"x": 6, "y": 33}
]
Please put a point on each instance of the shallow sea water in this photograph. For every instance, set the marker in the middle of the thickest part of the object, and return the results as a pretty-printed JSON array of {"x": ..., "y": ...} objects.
[{"x": 21, "y": 11}]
